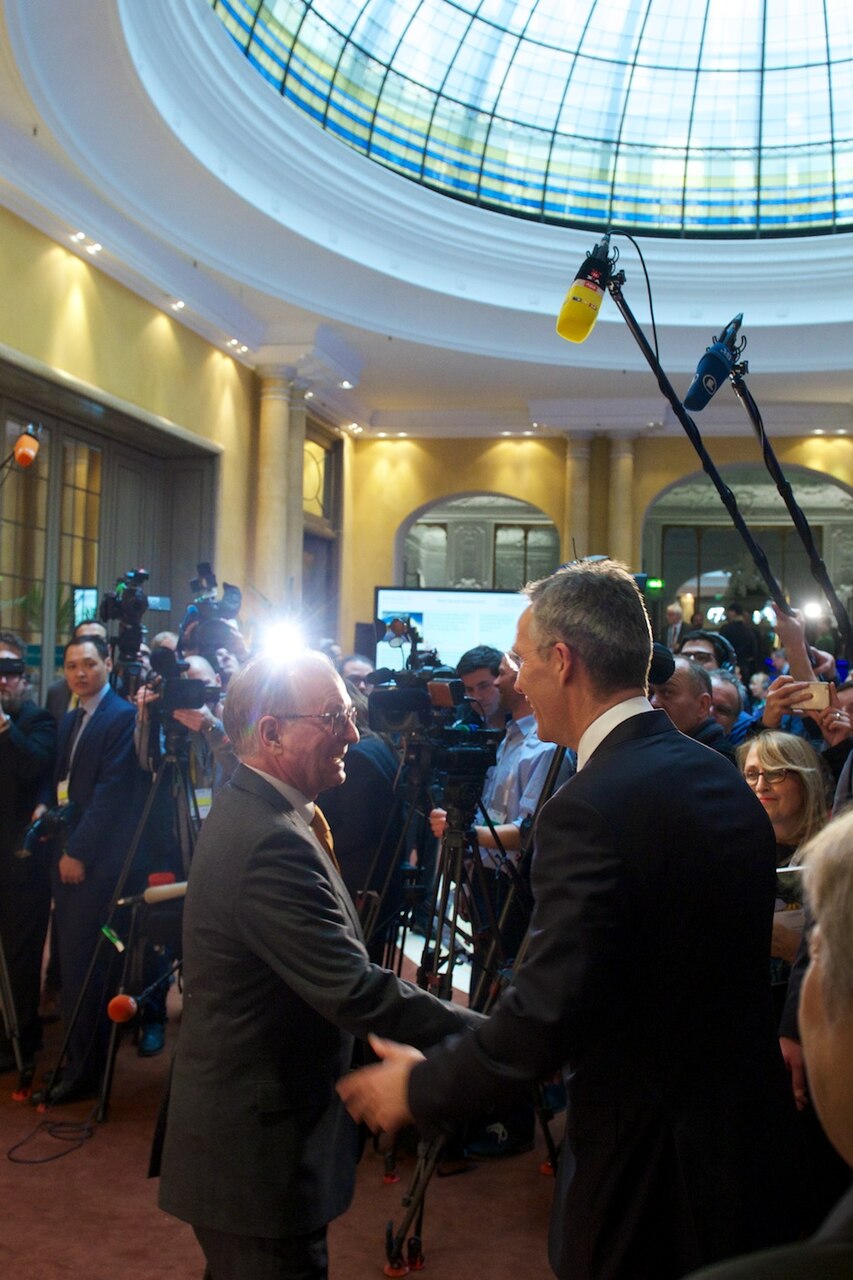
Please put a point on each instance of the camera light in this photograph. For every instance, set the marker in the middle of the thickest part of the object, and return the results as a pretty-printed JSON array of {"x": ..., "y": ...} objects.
[{"x": 282, "y": 640}]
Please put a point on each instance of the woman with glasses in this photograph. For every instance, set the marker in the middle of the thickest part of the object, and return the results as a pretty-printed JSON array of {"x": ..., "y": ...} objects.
[{"x": 790, "y": 782}]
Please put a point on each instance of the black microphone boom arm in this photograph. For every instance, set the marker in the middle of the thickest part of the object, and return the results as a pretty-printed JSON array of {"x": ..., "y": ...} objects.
[
  {"x": 801, "y": 524},
  {"x": 728, "y": 498}
]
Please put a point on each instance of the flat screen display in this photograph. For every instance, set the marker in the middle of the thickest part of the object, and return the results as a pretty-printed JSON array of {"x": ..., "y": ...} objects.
[{"x": 449, "y": 621}]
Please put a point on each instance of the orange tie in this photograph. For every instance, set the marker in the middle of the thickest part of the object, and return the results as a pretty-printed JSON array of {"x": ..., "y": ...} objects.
[{"x": 323, "y": 832}]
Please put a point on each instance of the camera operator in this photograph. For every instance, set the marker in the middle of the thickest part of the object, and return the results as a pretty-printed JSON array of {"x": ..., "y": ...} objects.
[
  {"x": 478, "y": 669},
  {"x": 214, "y": 760},
  {"x": 27, "y": 753}
]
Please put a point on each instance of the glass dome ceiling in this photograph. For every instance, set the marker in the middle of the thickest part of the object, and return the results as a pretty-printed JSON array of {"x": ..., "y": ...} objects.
[{"x": 662, "y": 117}]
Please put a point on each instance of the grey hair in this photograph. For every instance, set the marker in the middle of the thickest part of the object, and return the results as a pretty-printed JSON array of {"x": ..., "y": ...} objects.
[
  {"x": 266, "y": 686},
  {"x": 596, "y": 608},
  {"x": 698, "y": 678},
  {"x": 828, "y": 877},
  {"x": 728, "y": 677}
]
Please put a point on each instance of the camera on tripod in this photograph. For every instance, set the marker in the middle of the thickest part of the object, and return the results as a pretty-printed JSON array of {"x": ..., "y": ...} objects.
[
  {"x": 175, "y": 692},
  {"x": 206, "y": 623},
  {"x": 425, "y": 704},
  {"x": 126, "y": 605}
]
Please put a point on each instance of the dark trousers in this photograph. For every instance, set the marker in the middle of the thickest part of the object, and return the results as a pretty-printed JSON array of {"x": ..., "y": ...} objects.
[
  {"x": 81, "y": 909},
  {"x": 235, "y": 1257},
  {"x": 24, "y": 913}
]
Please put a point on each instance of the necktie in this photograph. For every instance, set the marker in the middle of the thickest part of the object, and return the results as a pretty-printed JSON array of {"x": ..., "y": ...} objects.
[
  {"x": 323, "y": 832},
  {"x": 74, "y": 738}
]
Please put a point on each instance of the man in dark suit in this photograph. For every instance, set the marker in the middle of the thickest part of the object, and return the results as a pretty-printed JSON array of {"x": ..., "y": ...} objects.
[
  {"x": 95, "y": 773},
  {"x": 826, "y": 1028},
  {"x": 646, "y": 972},
  {"x": 259, "y": 1154},
  {"x": 671, "y": 633},
  {"x": 27, "y": 751}
]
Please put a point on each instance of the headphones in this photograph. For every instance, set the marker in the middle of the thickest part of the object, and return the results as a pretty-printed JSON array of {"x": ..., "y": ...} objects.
[{"x": 724, "y": 650}]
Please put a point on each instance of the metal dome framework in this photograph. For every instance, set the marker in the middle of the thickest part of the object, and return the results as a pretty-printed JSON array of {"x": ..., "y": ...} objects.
[{"x": 665, "y": 117}]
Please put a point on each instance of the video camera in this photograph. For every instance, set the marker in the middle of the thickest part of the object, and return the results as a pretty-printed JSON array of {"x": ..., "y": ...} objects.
[
  {"x": 53, "y": 825},
  {"x": 127, "y": 605},
  {"x": 12, "y": 667},
  {"x": 205, "y": 628},
  {"x": 425, "y": 704},
  {"x": 176, "y": 693}
]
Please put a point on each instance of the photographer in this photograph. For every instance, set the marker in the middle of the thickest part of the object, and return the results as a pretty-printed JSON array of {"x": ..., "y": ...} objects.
[{"x": 27, "y": 753}]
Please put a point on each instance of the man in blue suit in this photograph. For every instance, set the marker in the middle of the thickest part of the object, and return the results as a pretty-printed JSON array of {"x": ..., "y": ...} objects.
[{"x": 95, "y": 772}]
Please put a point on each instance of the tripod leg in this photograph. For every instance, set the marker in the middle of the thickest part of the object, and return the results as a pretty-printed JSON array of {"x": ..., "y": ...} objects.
[
  {"x": 12, "y": 1028},
  {"x": 429, "y": 1155},
  {"x": 115, "y": 1029}
]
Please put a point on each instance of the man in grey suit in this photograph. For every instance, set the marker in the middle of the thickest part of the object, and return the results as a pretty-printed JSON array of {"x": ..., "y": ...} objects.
[
  {"x": 645, "y": 977},
  {"x": 259, "y": 1154}
]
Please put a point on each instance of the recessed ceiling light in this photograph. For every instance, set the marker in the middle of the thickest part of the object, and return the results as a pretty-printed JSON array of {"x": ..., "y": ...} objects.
[
  {"x": 346, "y": 385},
  {"x": 178, "y": 305},
  {"x": 243, "y": 349},
  {"x": 309, "y": 395},
  {"x": 842, "y": 431},
  {"x": 94, "y": 248},
  {"x": 506, "y": 433},
  {"x": 818, "y": 431},
  {"x": 382, "y": 435},
  {"x": 402, "y": 435},
  {"x": 527, "y": 433},
  {"x": 232, "y": 342},
  {"x": 78, "y": 236}
]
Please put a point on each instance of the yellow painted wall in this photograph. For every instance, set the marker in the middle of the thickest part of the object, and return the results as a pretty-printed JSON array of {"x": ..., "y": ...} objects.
[
  {"x": 393, "y": 478},
  {"x": 659, "y": 462},
  {"x": 63, "y": 311}
]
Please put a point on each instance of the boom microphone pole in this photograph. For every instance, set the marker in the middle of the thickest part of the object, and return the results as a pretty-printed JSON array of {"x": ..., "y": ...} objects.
[
  {"x": 614, "y": 288},
  {"x": 720, "y": 361}
]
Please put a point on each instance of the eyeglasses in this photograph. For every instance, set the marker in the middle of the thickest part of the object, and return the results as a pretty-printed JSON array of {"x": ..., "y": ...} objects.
[
  {"x": 515, "y": 660},
  {"x": 772, "y": 777},
  {"x": 698, "y": 655},
  {"x": 337, "y": 721}
]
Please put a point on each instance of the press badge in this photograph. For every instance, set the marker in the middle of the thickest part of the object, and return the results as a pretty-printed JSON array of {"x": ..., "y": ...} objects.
[{"x": 62, "y": 791}]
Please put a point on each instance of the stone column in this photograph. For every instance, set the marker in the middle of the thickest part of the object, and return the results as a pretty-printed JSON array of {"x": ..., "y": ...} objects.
[
  {"x": 576, "y": 513},
  {"x": 620, "y": 515},
  {"x": 278, "y": 518}
]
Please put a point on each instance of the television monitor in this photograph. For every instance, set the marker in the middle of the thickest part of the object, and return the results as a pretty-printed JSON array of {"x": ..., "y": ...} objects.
[{"x": 448, "y": 620}]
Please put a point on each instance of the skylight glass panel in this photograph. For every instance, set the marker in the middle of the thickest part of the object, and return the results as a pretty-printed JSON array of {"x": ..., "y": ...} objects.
[{"x": 678, "y": 117}]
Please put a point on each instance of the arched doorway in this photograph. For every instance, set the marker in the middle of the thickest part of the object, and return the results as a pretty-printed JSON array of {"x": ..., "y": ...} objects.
[
  {"x": 480, "y": 541},
  {"x": 690, "y": 542}
]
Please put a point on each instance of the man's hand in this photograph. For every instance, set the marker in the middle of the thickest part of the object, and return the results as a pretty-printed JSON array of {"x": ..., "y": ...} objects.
[
  {"x": 792, "y": 1053},
  {"x": 195, "y": 718},
  {"x": 438, "y": 822},
  {"x": 379, "y": 1095},
  {"x": 144, "y": 698},
  {"x": 784, "y": 942},
  {"x": 783, "y": 698},
  {"x": 39, "y": 810},
  {"x": 833, "y": 721},
  {"x": 71, "y": 870}
]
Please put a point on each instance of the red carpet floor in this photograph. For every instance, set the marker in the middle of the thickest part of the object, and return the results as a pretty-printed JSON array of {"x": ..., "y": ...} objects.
[{"x": 89, "y": 1212}]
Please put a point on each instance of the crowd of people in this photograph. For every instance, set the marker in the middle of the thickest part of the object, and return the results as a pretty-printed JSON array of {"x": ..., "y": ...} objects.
[{"x": 666, "y": 896}]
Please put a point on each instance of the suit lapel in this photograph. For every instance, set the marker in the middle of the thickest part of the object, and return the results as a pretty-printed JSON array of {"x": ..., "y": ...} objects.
[{"x": 246, "y": 779}]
